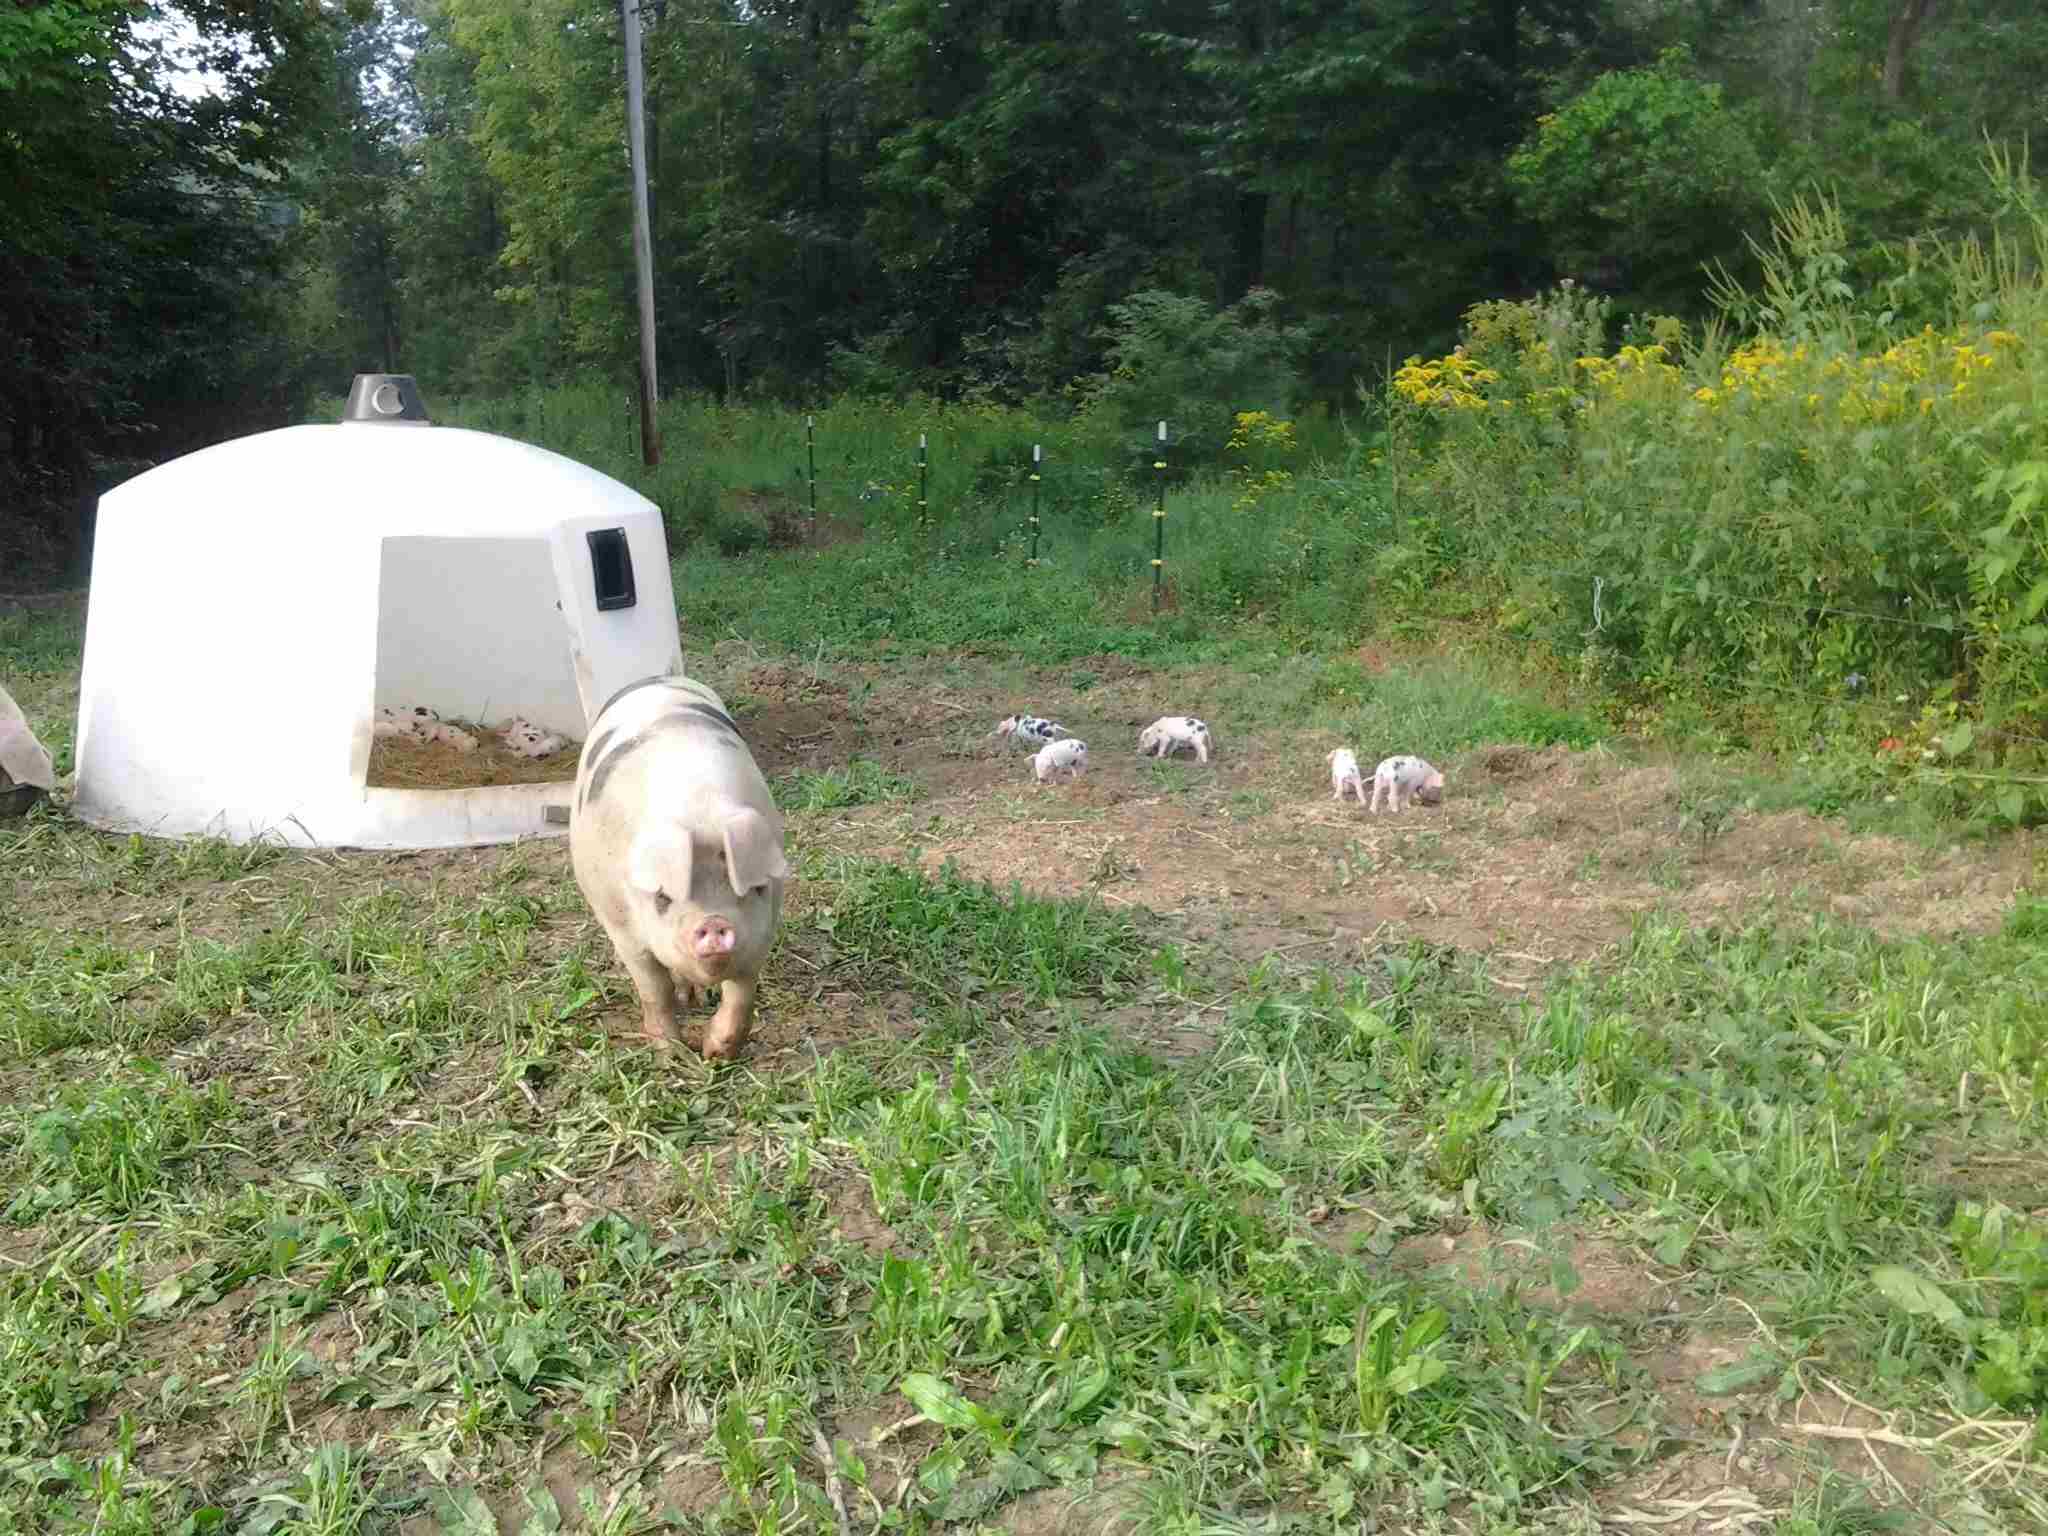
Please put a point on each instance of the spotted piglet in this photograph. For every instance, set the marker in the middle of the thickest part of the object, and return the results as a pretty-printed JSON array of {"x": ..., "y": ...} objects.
[
  {"x": 416, "y": 722},
  {"x": 529, "y": 740},
  {"x": 1031, "y": 730},
  {"x": 1409, "y": 776},
  {"x": 1068, "y": 753},
  {"x": 420, "y": 723},
  {"x": 1169, "y": 733}
]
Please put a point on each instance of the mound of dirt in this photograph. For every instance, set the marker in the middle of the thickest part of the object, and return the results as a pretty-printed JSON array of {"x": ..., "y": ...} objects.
[
  {"x": 781, "y": 683},
  {"x": 1511, "y": 763}
]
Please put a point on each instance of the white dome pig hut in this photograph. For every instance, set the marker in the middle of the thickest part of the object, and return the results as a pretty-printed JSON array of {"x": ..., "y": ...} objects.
[{"x": 256, "y": 605}]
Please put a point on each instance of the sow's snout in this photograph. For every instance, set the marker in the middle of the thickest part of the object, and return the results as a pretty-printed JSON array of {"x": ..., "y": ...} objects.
[{"x": 713, "y": 940}]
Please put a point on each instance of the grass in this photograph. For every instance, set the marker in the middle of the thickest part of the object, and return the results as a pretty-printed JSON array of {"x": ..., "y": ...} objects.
[
  {"x": 323, "y": 1227},
  {"x": 950, "y": 936},
  {"x": 335, "y": 1196},
  {"x": 735, "y": 483},
  {"x": 861, "y": 781},
  {"x": 39, "y": 654}
]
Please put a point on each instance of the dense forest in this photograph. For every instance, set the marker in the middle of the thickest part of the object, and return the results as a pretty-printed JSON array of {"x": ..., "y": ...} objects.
[{"x": 211, "y": 213}]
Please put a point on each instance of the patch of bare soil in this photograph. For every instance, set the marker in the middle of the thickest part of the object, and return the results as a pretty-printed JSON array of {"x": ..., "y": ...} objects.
[
  {"x": 855, "y": 1219},
  {"x": 19, "y": 1246},
  {"x": 1105, "y": 1506},
  {"x": 791, "y": 718},
  {"x": 1535, "y": 856},
  {"x": 1751, "y": 1459},
  {"x": 1606, "y": 1278},
  {"x": 785, "y": 521}
]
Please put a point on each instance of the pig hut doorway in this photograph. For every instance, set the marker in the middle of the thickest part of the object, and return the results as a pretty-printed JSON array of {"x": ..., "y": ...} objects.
[
  {"x": 420, "y": 657},
  {"x": 253, "y": 605}
]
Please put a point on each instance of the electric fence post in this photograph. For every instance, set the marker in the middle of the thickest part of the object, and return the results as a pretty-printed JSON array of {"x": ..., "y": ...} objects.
[
  {"x": 920, "y": 484},
  {"x": 1159, "y": 520},
  {"x": 1032, "y": 563},
  {"x": 811, "y": 456}
]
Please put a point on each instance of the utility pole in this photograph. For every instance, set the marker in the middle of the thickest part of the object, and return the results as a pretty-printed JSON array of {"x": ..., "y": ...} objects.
[{"x": 643, "y": 239}]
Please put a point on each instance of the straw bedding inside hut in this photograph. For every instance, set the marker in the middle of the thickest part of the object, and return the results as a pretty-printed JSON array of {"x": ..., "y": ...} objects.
[{"x": 405, "y": 762}]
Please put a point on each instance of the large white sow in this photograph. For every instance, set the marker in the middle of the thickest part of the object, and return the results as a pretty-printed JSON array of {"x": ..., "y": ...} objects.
[{"x": 678, "y": 848}]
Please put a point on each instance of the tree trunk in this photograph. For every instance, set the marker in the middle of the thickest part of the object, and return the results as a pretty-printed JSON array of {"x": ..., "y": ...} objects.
[
  {"x": 1912, "y": 16},
  {"x": 1507, "y": 53},
  {"x": 1248, "y": 229},
  {"x": 823, "y": 127},
  {"x": 387, "y": 298},
  {"x": 654, "y": 133},
  {"x": 1247, "y": 246}
]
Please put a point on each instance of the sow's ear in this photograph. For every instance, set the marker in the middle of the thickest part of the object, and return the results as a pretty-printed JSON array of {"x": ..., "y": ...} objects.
[
  {"x": 753, "y": 850},
  {"x": 659, "y": 859}
]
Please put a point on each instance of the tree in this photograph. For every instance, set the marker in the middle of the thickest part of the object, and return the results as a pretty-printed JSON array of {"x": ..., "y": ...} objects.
[
  {"x": 1019, "y": 146},
  {"x": 354, "y": 187},
  {"x": 550, "y": 125},
  {"x": 1647, "y": 172},
  {"x": 141, "y": 239},
  {"x": 1907, "y": 21}
]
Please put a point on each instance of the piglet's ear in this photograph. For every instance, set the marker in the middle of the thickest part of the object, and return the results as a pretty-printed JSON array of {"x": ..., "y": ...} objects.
[
  {"x": 659, "y": 859},
  {"x": 753, "y": 849}
]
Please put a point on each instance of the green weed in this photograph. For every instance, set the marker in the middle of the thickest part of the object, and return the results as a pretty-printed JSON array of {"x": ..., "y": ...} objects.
[
  {"x": 952, "y": 937},
  {"x": 860, "y": 782},
  {"x": 110, "y": 1148}
]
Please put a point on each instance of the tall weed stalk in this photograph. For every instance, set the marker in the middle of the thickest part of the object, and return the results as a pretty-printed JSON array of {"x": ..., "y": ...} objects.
[{"x": 1804, "y": 502}]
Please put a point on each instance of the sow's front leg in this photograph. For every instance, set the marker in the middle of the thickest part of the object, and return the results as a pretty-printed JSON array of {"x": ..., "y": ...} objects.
[
  {"x": 729, "y": 1027},
  {"x": 657, "y": 991}
]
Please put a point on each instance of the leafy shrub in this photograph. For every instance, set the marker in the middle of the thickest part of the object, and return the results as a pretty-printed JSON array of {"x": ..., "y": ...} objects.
[
  {"x": 1828, "y": 506},
  {"x": 1181, "y": 360},
  {"x": 1647, "y": 167}
]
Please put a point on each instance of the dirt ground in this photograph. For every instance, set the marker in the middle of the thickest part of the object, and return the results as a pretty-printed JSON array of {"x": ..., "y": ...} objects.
[{"x": 1533, "y": 857}]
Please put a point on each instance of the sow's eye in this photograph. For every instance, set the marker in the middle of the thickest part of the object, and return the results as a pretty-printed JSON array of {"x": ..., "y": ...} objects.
[{"x": 662, "y": 902}]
